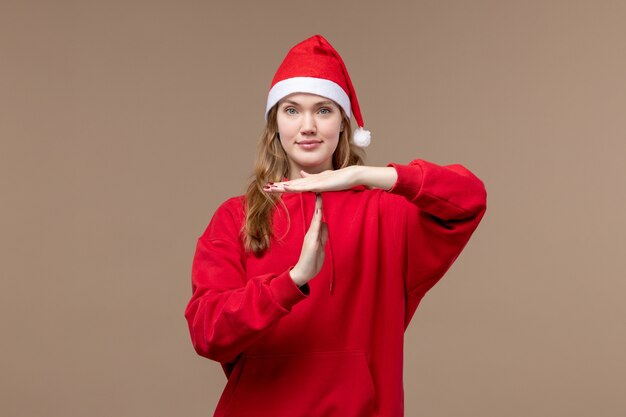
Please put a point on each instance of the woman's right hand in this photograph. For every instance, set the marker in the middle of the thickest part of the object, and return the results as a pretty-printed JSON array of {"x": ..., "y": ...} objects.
[{"x": 312, "y": 254}]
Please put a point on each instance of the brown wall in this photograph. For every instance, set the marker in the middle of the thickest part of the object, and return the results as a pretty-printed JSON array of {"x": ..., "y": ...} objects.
[{"x": 124, "y": 124}]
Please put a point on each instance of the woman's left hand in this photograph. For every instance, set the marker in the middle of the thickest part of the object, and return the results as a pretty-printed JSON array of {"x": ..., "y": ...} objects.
[{"x": 329, "y": 180}]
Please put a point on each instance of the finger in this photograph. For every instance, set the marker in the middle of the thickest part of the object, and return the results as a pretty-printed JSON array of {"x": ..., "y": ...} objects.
[
  {"x": 294, "y": 188},
  {"x": 317, "y": 214},
  {"x": 324, "y": 233},
  {"x": 270, "y": 189},
  {"x": 273, "y": 190},
  {"x": 317, "y": 217},
  {"x": 318, "y": 205},
  {"x": 314, "y": 228}
]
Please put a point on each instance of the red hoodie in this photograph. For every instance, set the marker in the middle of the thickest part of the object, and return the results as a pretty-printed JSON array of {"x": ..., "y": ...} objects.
[{"x": 333, "y": 347}]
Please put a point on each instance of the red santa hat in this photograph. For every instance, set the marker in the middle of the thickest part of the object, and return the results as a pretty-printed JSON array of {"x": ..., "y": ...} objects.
[{"x": 314, "y": 66}]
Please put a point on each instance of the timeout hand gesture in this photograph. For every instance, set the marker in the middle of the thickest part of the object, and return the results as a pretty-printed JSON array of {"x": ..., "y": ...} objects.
[{"x": 312, "y": 255}]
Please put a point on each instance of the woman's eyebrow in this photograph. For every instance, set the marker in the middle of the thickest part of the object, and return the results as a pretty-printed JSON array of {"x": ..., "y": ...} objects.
[{"x": 319, "y": 103}]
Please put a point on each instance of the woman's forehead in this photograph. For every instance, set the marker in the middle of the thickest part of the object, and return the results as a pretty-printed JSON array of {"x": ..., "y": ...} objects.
[{"x": 307, "y": 98}]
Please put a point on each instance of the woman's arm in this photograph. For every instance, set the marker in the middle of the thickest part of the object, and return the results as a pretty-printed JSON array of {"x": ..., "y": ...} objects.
[
  {"x": 445, "y": 205},
  {"x": 448, "y": 192},
  {"x": 376, "y": 177},
  {"x": 227, "y": 312}
]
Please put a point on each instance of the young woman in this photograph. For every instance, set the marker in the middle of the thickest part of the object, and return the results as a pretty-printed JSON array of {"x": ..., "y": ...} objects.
[{"x": 303, "y": 287}]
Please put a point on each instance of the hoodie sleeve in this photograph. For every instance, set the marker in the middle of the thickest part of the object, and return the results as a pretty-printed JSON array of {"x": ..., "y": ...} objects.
[
  {"x": 228, "y": 311},
  {"x": 447, "y": 204}
]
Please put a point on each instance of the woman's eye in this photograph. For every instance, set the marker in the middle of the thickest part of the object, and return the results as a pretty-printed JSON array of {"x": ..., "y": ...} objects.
[
  {"x": 325, "y": 111},
  {"x": 290, "y": 110}
]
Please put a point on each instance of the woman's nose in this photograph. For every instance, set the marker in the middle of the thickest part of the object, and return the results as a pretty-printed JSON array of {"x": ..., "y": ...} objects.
[{"x": 308, "y": 124}]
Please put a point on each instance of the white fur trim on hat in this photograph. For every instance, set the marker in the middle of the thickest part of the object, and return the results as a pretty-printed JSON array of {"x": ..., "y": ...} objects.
[{"x": 319, "y": 86}]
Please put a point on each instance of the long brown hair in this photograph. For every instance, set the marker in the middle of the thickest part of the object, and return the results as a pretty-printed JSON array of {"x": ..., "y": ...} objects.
[{"x": 272, "y": 164}]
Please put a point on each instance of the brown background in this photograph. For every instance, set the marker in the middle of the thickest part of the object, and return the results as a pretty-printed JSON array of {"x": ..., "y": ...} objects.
[{"x": 125, "y": 124}]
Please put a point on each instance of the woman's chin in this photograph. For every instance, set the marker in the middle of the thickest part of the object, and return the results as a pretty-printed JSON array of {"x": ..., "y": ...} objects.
[{"x": 311, "y": 158}]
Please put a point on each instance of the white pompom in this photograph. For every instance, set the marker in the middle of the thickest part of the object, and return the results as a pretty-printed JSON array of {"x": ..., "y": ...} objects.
[{"x": 361, "y": 137}]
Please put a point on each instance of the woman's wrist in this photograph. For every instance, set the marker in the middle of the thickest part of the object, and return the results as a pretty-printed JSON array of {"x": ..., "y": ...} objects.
[
  {"x": 377, "y": 177},
  {"x": 296, "y": 277}
]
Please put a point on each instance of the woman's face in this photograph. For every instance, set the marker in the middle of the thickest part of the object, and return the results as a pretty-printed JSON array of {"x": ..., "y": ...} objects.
[{"x": 308, "y": 118}]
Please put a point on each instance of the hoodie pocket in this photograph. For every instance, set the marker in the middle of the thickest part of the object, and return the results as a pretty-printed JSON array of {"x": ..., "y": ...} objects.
[{"x": 303, "y": 385}]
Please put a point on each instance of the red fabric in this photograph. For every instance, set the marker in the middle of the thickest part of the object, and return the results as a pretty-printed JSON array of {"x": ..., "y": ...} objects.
[
  {"x": 313, "y": 57},
  {"x": 333, "y": 347}
]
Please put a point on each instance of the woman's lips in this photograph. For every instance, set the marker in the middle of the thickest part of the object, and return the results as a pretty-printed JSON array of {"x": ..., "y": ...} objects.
[{"x": 309, "y": 145}]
